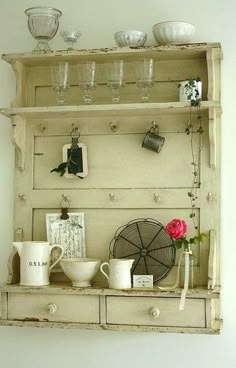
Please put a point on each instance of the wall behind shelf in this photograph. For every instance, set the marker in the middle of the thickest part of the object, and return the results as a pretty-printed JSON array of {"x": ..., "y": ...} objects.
[{"x": 98, "y": 20}]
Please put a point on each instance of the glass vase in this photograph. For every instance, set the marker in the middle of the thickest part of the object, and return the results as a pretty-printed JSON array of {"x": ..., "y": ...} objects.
[{"x": 192, "y": 281}]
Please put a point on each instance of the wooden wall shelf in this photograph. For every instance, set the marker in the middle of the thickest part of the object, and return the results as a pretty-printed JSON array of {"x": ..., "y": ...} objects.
[{"x": 118, "y": 166}]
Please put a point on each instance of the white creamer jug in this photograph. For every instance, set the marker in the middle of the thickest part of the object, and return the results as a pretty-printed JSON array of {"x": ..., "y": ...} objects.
[
  {"x": 119, "y": 273},
  {"x": 35, "y": 262}
]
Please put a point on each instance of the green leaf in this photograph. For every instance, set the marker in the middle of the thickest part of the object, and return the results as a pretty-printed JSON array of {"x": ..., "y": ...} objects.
[{"x": 178, "y": 243}]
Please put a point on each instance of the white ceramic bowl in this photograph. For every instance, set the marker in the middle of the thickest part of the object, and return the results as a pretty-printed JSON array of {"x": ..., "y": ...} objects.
[
  {"x": 130, "y": 38},
  {"x": 80, "y": 271},
  {"x": 166, "y": 33}
]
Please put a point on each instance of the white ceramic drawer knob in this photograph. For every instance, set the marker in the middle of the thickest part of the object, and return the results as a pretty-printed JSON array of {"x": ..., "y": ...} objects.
[
  {"x": 51, "y": 308},
  {"x": 154, "y": 312}
]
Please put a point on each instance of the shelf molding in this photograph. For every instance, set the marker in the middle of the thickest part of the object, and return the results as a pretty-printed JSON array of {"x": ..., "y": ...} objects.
[
  {"x": 19, "y": 139},
  {"x": 212, "y": 261},
  {"x": 167, "y": 52},
  {"x": 214, "y": 121}
]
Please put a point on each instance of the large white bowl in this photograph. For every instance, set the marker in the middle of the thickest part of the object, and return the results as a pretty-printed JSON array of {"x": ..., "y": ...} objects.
[
  {"x": 130, "y": 38},
  {"x": 80, "y": 271},
  {"x": 166, "y": 33}
]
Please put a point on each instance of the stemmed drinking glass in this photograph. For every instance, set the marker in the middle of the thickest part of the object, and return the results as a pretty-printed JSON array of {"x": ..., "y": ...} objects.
[
  {"x": 115, "y": 79},
  {"x": 70, "y": 37},
  {"x": 60, "y": 80},
  {"x": 87, "y": 80},
  {"x": 144, "y": 78}
]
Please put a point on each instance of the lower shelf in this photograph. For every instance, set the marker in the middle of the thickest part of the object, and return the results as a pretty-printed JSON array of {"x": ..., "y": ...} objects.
[{"x": 109, "y": 309}]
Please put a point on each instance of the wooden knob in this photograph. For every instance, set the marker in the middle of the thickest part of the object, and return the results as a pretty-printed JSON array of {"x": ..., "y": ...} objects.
[
  {"x": 51, "y": 308},
  {"x": 154, "y": 312}
]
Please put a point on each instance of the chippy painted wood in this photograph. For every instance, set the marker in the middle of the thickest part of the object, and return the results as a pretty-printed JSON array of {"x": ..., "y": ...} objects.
[
  {"x": 214, "y": 123},
  {"x": 103, "y": 216},
  {"x": 72, "y": 308},
  {"x": 210, "y": 197},
  {"x": 102, "y": 309},
  {"x": 117, "y": 161},
  {"x": 137, "y": 311},
  {"x": 4, "y": 309},
  {"x": 66, "y": 289},
  {"x": 157, "y": 108},
  {"x": 20, "y": 72},
  {"x": 38, "y": 309},
  {"x": 18, "y": 139},
  {"x": 213, "y": 58},
  {"x": 183, "y": 51},
  {"x": 212, "y": 261},
  {"x": 154, "y": 198},
  {"x": 65, "y": 325}
]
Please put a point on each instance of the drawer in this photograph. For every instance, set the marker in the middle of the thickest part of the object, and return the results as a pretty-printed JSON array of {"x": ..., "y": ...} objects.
[
  {"x": 57, "y": 308},
  {"x": 143, "y": 311}
]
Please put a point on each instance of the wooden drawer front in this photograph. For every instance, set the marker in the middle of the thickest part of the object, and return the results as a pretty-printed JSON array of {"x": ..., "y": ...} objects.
[
  {"x": 135, "y": 311},
  {"x": 70, "y": 308}
]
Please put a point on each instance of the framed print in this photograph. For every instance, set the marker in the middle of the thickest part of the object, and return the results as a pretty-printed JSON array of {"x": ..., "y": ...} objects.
[
  {"x": 68, "y": 233},
  {"x": 77, "y": 160}
]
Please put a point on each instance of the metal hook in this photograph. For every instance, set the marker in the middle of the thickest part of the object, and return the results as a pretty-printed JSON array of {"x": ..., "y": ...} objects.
[
  {"x": 154, "y": 128},
  {"x": 113, "y": 127},
  {"x": 65, "y": 202},
  {"x": 75, "y": 133},
  {"x": 156, "y": 197},
  {"x": 112, "y": 197}
]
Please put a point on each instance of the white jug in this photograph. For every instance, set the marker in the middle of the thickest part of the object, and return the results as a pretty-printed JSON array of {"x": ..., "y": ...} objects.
[
  {"x": 35, "y": 262},
  {"x": 119, "y": 273}
]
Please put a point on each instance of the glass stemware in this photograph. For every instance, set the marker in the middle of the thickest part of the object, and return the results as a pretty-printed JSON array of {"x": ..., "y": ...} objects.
[
  {"x": 87, "y": 80},
  {"x": 60, "y": 80},
  {"x": 43, "y": 23},
  {"x": 70, "y": 37},
  {"x": 144, "y": 78},
  {"x": 115, "y": 79}
]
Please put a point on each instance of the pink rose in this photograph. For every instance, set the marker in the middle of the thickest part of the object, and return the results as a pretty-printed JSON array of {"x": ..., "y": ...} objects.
[{"x": 176, "y": 228}]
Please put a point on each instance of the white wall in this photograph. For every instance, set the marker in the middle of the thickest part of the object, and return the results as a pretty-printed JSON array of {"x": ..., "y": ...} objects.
[{"x": 98, "y": 20}]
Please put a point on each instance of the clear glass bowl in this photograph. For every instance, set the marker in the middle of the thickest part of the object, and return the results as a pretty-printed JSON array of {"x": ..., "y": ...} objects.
[
  {"x": 70, "y": 37},
  {"x": 43, "y": 23}
]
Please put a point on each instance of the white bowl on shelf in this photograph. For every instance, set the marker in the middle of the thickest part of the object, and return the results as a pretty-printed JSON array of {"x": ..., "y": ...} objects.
[
  {"x": 80, "y": 271},
  {"x": 173, "y": 32},
  {"x": 130, "y": 38}
]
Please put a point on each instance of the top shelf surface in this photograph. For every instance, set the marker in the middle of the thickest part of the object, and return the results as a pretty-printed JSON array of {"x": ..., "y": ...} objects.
[{"x": 169, "y": 52}]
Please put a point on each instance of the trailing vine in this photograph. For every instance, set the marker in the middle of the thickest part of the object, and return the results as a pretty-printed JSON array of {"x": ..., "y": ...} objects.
[{"x": 191, "y": 130}]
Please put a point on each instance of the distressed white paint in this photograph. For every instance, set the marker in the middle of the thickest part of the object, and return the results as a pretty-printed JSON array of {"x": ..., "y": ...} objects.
[
  {"x": 117, "y": 162},
  {"x": 90, "y": 347}
]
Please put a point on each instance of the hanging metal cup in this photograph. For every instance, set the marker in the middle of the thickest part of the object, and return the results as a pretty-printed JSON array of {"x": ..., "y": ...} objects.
[{"x": 152, "y": 140}]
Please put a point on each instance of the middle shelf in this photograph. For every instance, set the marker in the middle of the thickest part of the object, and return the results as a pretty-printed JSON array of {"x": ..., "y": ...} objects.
[{"x": 159, "y": 108}]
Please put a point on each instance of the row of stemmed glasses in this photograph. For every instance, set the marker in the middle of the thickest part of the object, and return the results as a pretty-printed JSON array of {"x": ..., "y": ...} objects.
[{"x": 115, "y": 79}]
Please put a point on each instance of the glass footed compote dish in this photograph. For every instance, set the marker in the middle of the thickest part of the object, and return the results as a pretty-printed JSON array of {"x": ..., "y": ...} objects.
[
  {"x": 115, "y": 79},
  {"x": 87, "y": 80},
  {"x": 144, "y": 78},
  {"x": 60, "y": 81},
  {"x": 70, "y": 37},
  {"x": 43, "y": 23}
]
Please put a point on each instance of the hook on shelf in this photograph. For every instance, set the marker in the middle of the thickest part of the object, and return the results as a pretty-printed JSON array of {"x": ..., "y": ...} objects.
[{"x": 113, "y": 126}]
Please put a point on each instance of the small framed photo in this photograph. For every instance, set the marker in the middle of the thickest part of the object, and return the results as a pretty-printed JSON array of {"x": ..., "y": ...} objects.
[
  {"x": 70, "y": 234},
  {"x": 79, "y": 162}
]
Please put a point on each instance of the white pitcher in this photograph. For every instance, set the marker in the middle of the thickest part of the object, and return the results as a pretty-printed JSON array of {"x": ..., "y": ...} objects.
[
  {"x": 119, "y": 273},
  {"x": 35, "y": 262}
]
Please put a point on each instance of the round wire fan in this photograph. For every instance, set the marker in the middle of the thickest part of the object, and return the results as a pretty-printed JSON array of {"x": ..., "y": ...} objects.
[{"x": 145, "y": 241}]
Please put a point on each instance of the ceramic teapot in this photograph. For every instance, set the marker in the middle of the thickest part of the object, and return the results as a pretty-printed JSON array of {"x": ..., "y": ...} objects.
[
  {"x": 119, "y": 273},
  {"x": 35, "y": 259}
]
